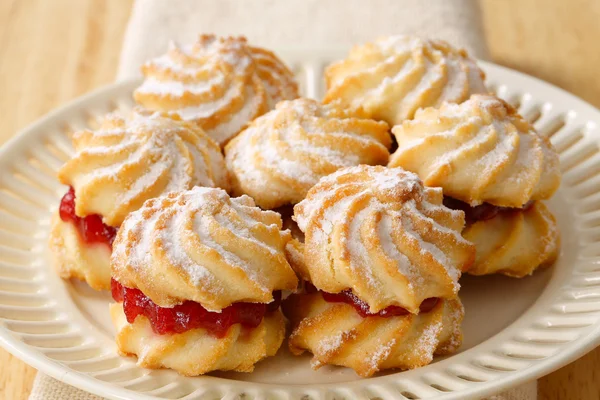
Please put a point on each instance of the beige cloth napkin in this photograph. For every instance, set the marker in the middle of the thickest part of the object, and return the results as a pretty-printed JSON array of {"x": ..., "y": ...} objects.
[{"x": 277, "y": 23}]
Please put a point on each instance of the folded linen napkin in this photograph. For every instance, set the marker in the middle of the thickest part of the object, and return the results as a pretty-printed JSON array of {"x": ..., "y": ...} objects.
[{"x": 275, "y": 24}]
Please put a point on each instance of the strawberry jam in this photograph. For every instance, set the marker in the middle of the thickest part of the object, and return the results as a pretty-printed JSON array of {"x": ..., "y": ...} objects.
[
  {"x": 90, "y": 228},
  {"x": 481, "y": 212},
  {"x": 189, "y": 314},
  {"x": 362, "y": 308}
]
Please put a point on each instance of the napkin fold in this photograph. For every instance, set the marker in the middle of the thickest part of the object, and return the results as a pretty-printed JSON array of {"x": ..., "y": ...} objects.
[{"x": 276, "y": 24}]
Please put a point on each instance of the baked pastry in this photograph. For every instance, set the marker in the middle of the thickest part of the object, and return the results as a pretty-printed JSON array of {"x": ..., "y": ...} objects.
[
  {"x": 114, "y": 170},
  {"x": 286, "y": 151},
  {"x": 220, "y": 83},
  {"x": 382, "y": 233},
  {"x": 196, "y": 276},
  {"x": 509, "y": 241},
  {"x": 338, "y": 332},
  {"x": 493, "y": 165},
  {"x": 479, "y": 151},
  {"x": 394, "y": 76},
  {"x": 384, "y": 255}
]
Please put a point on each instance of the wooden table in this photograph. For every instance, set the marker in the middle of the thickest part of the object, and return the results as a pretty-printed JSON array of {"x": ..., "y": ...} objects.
[{"x": 54, "y": 50}]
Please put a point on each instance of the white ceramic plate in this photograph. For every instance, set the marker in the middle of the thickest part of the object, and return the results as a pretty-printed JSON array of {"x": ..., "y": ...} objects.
[{"x": 515, "y": 329}]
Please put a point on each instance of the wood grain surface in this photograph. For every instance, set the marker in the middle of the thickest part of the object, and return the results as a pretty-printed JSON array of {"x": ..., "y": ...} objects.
[{"x": 52, "y": 51}]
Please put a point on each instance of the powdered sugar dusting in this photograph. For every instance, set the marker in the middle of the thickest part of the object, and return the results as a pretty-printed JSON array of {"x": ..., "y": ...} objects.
[
  {"x": 403, "y": 73},
  {"x": 431, "y": 249},
  {"x": 243, "y": 230},
  {"x": 293, "y": 169},
  {"x": 202, "y": 225},
  {"x": 239, "y": 119},
  {"x": 391, "y": 180},
  {"x": 359, "y": 257},
  {"x": 331, "y": 344},
  {"x": 449, "y": 157},
  {"x": 351, "y": 196},
  {"x": 141, "y": 154},
  {"x": 207, "y": 109},
  {"x": 380, "y": 354},
  {"x": 171, "y": 239},
  {"x": 295, "y": 144},
  {"x": 485, "y": 151},
  {"x": 213, "y": 81},
  {"x": 138, "y": 256},
  {"x": 187, "y": 229},
  {"x": 281, "y": 85},
  {"x": 179, "y": 89},
  {"x": 428, "y": 340},
  {"x": 384, "y": 231}
]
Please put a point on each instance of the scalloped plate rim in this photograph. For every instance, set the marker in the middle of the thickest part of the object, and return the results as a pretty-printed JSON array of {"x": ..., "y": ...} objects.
[{"x": 568, "y": 353}]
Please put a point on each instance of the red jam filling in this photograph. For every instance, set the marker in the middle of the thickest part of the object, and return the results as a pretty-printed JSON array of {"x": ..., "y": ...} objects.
[
  {"x": 189, "y": 314},
  {"x": 362, "y": 308},
  {"x": 481, "y": 212},
  {"x": 90, "y": 228}
]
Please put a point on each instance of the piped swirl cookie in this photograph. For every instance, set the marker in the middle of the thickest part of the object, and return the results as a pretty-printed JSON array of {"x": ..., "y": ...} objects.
[
  {"x": 220, "y": 83},
  {"x": 394, "y": 76},
  {"x": 114, "y": 170},
  {"x": 479, "y": 151},
  {"x": 197, "y": 277},
  {"x": 510, "y": 241},
  {"x": 492, "y": 164},
  {"x": 382, "y": 258},
  {"x": 381, "y": 233},
  {"x": 338, "y": 332},
  {"x": 282, "y": 154}
]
